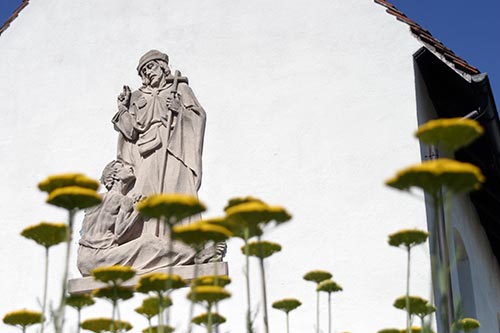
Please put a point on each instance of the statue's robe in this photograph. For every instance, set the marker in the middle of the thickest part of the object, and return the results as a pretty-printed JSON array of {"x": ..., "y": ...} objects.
[
  {"x": 112, "y": 235},
  {"x": 165, "y": 160}
]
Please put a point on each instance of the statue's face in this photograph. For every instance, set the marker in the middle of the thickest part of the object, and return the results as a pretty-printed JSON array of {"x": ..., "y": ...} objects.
[
  {"x": 153, "y": 72},
  {"x": 126, "y": 172}
]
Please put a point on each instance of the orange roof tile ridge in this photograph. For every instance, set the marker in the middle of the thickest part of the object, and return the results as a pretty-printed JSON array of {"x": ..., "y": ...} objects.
[
  {"x": 13, "y": 16},
  {"x": 425, "y": 36}
]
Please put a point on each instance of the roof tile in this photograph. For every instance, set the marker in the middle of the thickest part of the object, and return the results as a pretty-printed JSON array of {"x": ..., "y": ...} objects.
[
  {"x": 426, "y": 37},
  {"x": 13, "y": 16}
]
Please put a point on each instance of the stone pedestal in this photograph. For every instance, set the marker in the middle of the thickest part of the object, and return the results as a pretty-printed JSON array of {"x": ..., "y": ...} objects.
[{"x": 87, "y": 284}]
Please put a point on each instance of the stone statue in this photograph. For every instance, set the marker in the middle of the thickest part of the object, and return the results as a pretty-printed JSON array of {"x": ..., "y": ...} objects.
[
  {"x": 161, "y": 127},
  {"x": 112, "y": 231}
]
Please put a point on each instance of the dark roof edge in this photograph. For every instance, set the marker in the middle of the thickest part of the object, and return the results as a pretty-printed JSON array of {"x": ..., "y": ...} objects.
[
  {"x": 481, "y": 84},
  {"x": 13, "y": 16},
  {"x": 426, "y": 38}
]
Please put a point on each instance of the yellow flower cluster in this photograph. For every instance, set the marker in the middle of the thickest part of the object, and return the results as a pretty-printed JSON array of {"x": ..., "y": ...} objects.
[
  {"x": 71, "y": 191},
  {"x": 79, "y": 301},
  {"x": 212, "y": 280},
  {"x": 408, "y": 238},
  {"x": 150, "y": 306},
  {"x": 317, "y": 276},
  {"x": 241, "y": 200},
  {"x": 255, "y": 212},
  {"x": 54, "y": 182},
  {"x": 389, "y": 330},
  {"x": 449, "y": 134},
  {"x": 23, "y": 318},
  {"x": 261, "y": 249},
  {"x": 173, "y": 207},
  {"x": 433, "y": 175},
  {"x": 99, "y": 325},
  {"x": 418, "y": 305},
  {"x": 199, "y": 233},
  {"x": 113, "y": 274},
  {"x": 157, "y": 329},
  {"x": 47, "y": 234},
  {"x": 159, "y": 282},
  {"x": 329, "y": 286},
  {"x": 113, "y": 293},
  {"x": 287, "y": 304},
  {"x": 467, "y": 324},
  {"x": 202, "y": 319},
  {"x": 208, "y": 294}
]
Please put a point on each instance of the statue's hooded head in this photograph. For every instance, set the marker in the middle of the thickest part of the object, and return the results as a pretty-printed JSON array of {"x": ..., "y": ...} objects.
[{"x": 156, "y": 56}]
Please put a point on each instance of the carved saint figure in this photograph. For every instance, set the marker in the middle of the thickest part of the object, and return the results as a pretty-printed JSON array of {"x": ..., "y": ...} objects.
[
  {"x": 112, "y": 231},
  {"x": 161, "y": 128}
]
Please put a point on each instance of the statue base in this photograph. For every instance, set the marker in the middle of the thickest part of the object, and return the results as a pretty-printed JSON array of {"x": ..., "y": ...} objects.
[{"x": 85, "y": 285}]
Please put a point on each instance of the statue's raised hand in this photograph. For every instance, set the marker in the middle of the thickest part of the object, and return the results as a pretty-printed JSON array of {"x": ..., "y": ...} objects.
[{"x": 123, "y": 99}]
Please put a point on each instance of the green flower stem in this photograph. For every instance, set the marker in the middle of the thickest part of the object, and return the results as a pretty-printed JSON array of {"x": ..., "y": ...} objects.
[
  {"x": 446, "y": 282},
  {"x": 191, "y": 305},
  {"x": 408, "y": 313},
  {"x": 168, "y": 225},
  {"x": 264, "y": 293},
  {"x": 45, "y": 283},
  {"x": 150, "y": 328},
  {"x": 160, "y": 312},
  {"x": 317, "y": 311},
  {"x": 329, "y": 312},
  {"x": 209, "y": 312},
  {"x": 79, "y": 319},
  {"x": 246, "y": 234},
  {"x": 59, "y": 314},
  {"x": 216, "y": 282}
]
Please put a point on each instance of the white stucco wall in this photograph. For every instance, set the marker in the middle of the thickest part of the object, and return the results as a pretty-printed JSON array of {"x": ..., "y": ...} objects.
[{"x": 310, "y": 105}]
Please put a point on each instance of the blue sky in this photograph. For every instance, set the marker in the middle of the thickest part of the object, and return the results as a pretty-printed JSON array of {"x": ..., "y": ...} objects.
[{"x": 470, "y": 28}]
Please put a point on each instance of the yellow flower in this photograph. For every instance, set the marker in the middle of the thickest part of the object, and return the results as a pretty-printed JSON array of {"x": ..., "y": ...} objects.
[
  {"x": 211, "y": 280},
  {"x": 449, "y": 133},
  {"x": 418, "y": 305},
  {"x": 47, "y": 234},
  {"x": 287, "y": 304},
  {"x": 254, "y": 213},
  {"x": 209, "y": 294},
  {"x": 79, "y": 301},
  {"x": 237, "y": 230},
  {"x": 328, "y": 286},
  {"x": 174, "y": 207},
  {"x": 114, "y": 293},
  {"x": 68, "y": 179},
  {"x": 317, "y": 276},
  {"x": 98, "y": 325},
  {"x": 156, "y": 329},
  {"x": 72, "y": 197},
  {"x": 413, "y": 329},
  {"x": 198, "y": 233},
  {"x": 202, "y": 319},
  {"x": 241, "y": 200},
  {"x": 151, "y": 306},
  {"x": 261, "y": 249},
  {"x": 408, "y": 238},
  {"x": 23, "y": 318},
  {"x": 431, "y": 176},
  {"x": 158, "y": 282},
  {"x": 389, "y": 330},
  {"x": 467, "y": 324},
  {"x": 113, "y": 274}
]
